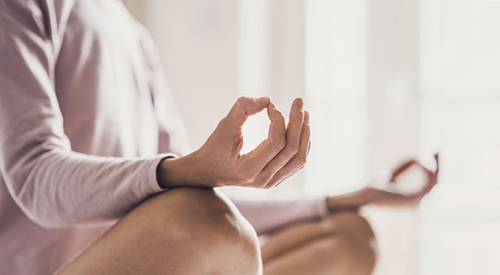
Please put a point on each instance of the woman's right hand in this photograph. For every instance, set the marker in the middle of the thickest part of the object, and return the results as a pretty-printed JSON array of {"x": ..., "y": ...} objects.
[{"x": 219, "y": 162}]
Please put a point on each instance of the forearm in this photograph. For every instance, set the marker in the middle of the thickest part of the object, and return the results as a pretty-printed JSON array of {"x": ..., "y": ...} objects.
[
  {"x": 350, "y": 201},
  {"x": 269, "y": 214},
  {"x": 60, "y": 188}
]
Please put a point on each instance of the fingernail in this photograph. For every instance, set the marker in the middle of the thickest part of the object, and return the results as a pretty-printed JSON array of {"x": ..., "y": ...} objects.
[
  {"x": 301, "y": 103},
  {"x": 262, "y": 100}
]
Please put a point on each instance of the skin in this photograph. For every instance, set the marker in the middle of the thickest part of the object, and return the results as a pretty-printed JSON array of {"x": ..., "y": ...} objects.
[
  {"x": 219, "y": 162},
  {"x": 386, "y": 194},
  {"x": 183, "y": 231},
  {"x": 193, "y": 229},
  {"x": 344, "y": 242}
]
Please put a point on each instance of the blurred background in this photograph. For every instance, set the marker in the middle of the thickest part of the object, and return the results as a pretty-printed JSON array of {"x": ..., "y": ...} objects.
[{"x": 384, "y": 80}]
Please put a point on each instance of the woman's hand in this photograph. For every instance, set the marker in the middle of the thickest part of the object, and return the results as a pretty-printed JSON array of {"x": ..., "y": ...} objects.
[
  {"x": 219, "y": 162},
  {"x": 392, "y": 195},
  {"x": 387, "y": 193}
]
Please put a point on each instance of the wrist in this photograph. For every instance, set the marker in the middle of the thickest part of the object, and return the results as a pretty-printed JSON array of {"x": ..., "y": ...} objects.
[
  {"x": 183, "y": 171},
  {"x": 336, "y": 204},
  {"x": 349, "y": 201}
]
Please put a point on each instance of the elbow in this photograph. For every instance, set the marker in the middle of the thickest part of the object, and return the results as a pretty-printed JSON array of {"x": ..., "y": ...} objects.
[
  {"x": 34, "y": 191},
  {"x": 43, "y": 215},
  {"x": 40, "y": 210},
  {"x": 52, "y": 216},
  {"x": 45, "y": 222}
]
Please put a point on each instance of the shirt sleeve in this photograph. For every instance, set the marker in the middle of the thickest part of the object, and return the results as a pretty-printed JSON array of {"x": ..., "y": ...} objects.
[
  {"x": 54, "y": 186},
  {"x": 268, "y": 214}
]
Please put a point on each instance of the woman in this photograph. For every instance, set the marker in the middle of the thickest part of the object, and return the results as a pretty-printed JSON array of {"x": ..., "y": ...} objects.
[{"x": 90, "y": 135}]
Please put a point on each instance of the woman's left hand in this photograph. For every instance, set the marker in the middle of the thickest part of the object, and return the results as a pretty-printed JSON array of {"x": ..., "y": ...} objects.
[
  {"x": 391, "y": 195},
  {"x": 388, "y": 191}
]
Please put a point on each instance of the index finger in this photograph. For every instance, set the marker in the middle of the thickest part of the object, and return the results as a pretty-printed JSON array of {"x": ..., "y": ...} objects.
[
  {"x": 402, "y": 167},
  {"x": 258, "y": 158},
  {"x": 245, "y": 107}
]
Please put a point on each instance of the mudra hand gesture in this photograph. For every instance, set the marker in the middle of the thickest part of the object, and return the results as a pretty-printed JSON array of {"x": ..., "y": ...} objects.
[
  {"x": 219, "y": 161},
  {"x": 388, "y": 192}
]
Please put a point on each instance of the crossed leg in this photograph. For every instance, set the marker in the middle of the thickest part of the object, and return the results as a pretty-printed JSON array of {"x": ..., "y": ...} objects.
[
  {"x": 181, "y": 231},
  {"x": 341, "y": 244},
  {"x": 199, "y": 231}
]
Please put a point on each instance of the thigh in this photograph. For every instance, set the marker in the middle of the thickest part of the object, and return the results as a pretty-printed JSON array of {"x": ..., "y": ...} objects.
[
  {"x": 291, "y": 237},
  {"x": 339, "y": 244},
  {"x": 181, "y": 231}
]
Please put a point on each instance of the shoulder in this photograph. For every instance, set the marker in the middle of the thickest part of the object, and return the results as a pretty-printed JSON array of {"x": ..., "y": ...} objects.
[
  {"x": 25, "y": 15},
  {"x": 42, "y": 18}
]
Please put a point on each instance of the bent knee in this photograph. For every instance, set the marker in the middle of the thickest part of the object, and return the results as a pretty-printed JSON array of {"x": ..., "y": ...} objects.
[
  {"x": 353, "y": 235},
  {"x": 200, "y": 211},
  {"x": 207, "y": 223},
  {"x": 349, "y": 257},
  {"x": 350, "y": 224}
]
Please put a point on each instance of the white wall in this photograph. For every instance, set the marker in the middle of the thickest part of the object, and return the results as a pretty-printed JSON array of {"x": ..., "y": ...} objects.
[
  {"x": 214, "y": 51},
  {"x": 197, "y": 40}
]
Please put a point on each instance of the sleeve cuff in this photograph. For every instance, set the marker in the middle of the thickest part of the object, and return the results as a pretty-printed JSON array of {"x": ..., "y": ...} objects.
[
  {"x": 322, "y": 207},
  {"x": 152, "y": 182}
]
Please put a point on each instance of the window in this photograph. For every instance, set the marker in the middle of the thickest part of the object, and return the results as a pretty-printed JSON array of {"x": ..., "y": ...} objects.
[
  {"x": 461, "y": 99},
  {"x": 384, "y": 80},
  {"x": 388, "y": 79},
  {"x": 336, "y": 93}
]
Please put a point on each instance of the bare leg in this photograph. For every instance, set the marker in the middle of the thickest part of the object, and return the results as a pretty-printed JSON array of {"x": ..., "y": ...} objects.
[
  {"x": 340, "y": 244},
  {"x": 181, "y": 231}
]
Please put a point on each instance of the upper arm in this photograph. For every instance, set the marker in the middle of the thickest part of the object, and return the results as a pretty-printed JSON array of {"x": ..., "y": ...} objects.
[{"x": 30, "y": 120}]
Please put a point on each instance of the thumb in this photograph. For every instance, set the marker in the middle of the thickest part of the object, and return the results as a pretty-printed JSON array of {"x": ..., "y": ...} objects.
[{"x": 245, "y": 107}]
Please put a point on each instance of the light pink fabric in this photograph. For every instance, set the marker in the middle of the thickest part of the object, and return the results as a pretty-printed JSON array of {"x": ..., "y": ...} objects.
[
  {"x": 269, "y": 214},
  {"x": 84, "y": 111}
]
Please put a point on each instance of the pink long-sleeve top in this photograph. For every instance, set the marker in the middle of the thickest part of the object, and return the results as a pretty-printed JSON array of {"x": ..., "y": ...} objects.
[{"x": 84, "y": 113}]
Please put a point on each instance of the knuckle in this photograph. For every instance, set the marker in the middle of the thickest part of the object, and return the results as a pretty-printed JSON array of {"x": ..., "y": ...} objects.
[
  {"x": 239, "y": 178},
  {"x": 280, "y": 144},
  {"x": 245, "y": 176},
  {"x": 269, "y": 184},
  {"x": 277, "y": 116},
  {"x": 222, "y": 122},
  {"x": 307, "y": 127},
  {"x": 289, "y": 153},
  {"x": 298, "y": 115},
  {"x": 301, "y": 160},
  {"x": 260, "y": 183},
  {"x": 242, "y": 101},
  {"x": 280, "y": 119},
  {"x": 293, "y": 149},
  {"x": 280, "y": 116}
]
